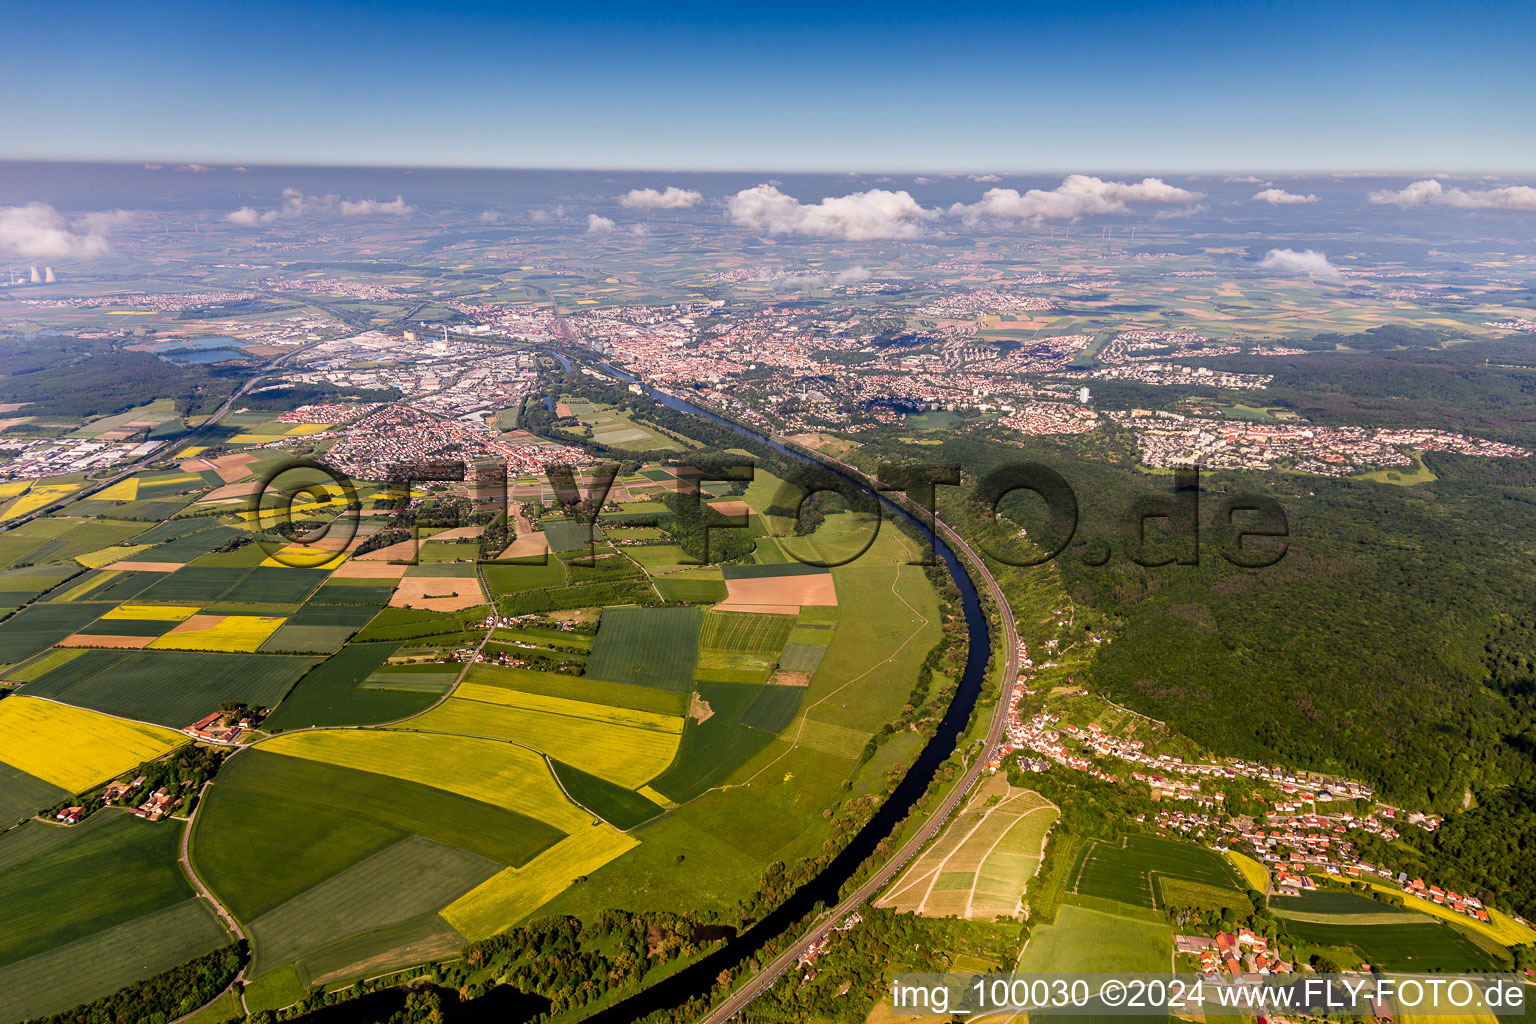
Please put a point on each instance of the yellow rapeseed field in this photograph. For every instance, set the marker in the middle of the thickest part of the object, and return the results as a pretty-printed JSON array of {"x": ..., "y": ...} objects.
[
  {"x": 153, "y": 612},
  {"x": 229, "y": 634},
  {"x": 619, "y": 753},
  {"x": 73, "y": 748},
  {"x": 123, "y": 490},
  {"x": 489, "y": 770},
  {"x": 40, "y": 495},
  {"x": 106, "y": 556},
  {"x": 297, "y": 556},
  {"x": 569, "y": 707},
  {"x": 507, "y": 898}
]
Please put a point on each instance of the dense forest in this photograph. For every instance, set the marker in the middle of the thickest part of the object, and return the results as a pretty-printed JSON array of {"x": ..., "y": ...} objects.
[
  {"x": 1380, "y": 646},
  {"x": 79, "y": 378}
]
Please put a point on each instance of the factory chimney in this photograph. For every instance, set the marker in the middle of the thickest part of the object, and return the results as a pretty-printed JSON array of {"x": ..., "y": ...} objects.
[
  {"x": 36, "y": 277},
  {"x": 48, "y": 277}
]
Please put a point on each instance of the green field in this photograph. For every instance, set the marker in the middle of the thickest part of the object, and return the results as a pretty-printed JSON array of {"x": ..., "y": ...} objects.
[
  {"x": 774, "y": 708},
  {"x": 554, "y": 684},
  {"x": 60, "y": 538},
  {"x": 1128, "y": 872},
  {"x": 1332, "y": 906},
  {"x": 566, "y": 535},
  {"x": 196, "y": 584},
  {"x": 1421, "y": 945},
  {"x": 352, "y": 592},
  {"x": 745, "y": 632},
  {"x": 691, "y": 590},
  {"x": 105, "y": 873},
  {"x": 620, "y": 807},
  {"x": 647, "y": 646},
  {"x": 524, "y": 574},
  {"x": 23, "y": 795},
  {"x": 38, "y": 627},
  {"x": 291, "y": 639},
  {"x": 1083, "y": 940},
  {"x": 274, "y": 826},
  {"x": 173, "y": 688},
  {"x": 332, "y": 693},
  {"x": 711, "y": 751},
  {"x": 413, "y": 877},
  {"x": 100, "y": 964}
]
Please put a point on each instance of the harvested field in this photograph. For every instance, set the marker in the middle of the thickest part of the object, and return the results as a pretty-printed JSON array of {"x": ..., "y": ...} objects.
[
  {"x": 353, "y": 569},
  {"x": 122, "y": 643},
  {"x": 437, "y": 593},
  {"x": 527, "y": 545},
  {"x": 131, "y": 565},
  {"x": 779, "y": 591}
]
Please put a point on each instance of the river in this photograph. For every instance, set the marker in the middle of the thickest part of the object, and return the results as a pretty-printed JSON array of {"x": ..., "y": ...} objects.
[{"x": 698, "y": 978}]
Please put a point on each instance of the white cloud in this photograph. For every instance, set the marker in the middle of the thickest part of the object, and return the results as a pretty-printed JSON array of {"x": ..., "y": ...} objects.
[
  {"x": 154, "y": 167},
  {"x": 547, "y": 216},
  {"x": 1307, "y": 261},
  {"x": 38, "y": 231},
  {"x": 598, "y": 225},
  {"x": 1280, "y": 197},
  {"x": 395, "y": 207},
  {"x": 247, "y": 216},
  {"x": 194, "y": 168},
  {"x": 1247, "y": 179},
  {"x": 639, "y": 230},
  {"x": 296, "y": 204},
  {"x": 985, "y": 179},
  {"x": 1079, "y": 195},
  {"x": 673, "y": 198},
  {"x": 857, "y": 217},
  {"x": 1430, "y": 192},
  {"x": 853, "y": 275},
  {"x": 489, "y": 217},
  {"x": 241, "y": 170}
]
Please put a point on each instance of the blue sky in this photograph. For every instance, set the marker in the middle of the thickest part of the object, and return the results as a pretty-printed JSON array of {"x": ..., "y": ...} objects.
[{"x": 1117, "y": 87}]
